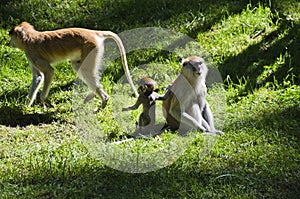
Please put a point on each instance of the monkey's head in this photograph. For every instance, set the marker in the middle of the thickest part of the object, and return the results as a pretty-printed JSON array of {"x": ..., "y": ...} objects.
[
  {"x": 147, "y": 85},
  {"x": 194, "y": 66},
  {"x": 19, "y": 35}
]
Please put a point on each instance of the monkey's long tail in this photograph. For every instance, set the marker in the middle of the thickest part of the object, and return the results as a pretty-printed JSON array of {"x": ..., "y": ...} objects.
[{"x": 116, "y": 38}]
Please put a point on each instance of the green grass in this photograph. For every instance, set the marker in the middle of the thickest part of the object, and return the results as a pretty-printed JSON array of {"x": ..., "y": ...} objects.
[{"x": 68, "y": 152}]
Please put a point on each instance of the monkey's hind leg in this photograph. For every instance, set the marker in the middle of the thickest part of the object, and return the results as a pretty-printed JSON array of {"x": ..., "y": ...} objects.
[
  {"x": 98, "y": 89},
  {"x": 88, "y": 72}
]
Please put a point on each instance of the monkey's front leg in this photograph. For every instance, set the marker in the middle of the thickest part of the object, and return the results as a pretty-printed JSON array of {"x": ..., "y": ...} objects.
[
  {"x": 191, "y": 122},
  {"x": 37, "y": 80},
  {"x": 206, "y": 122},
  {"x": 135, "y": 106},
  {"x": 44, "y": 67},
  {"x": 190, "y": 119},
  {"x": 208, "y": 117}
]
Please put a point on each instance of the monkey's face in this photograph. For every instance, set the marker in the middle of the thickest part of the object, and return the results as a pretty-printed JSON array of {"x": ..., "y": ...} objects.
[
  {"x": 13, "y": 38},
  {"x": 146, "y": 89},
  {"x": 147, "y": 86},
  {"x": 194, "y": 67},
  {"x": 16, "y": 35}
]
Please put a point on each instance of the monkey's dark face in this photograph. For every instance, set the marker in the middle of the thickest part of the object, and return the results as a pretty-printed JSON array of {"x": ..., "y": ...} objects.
[
  {"x": 194, "y": 67},
  {"x": 146, "y": 89},
  {"x": 147, "y": 86},
  {"x": 15, "y": 37}
]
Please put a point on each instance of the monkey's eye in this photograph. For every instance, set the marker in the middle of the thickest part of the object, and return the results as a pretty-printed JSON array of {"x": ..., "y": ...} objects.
[
  {"x": 140, "y": 89},
  {"x": 187, "y": 63}
]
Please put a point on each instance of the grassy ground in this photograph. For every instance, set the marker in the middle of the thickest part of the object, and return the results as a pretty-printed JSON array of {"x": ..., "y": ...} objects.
[{"x": 255, "y": 47}]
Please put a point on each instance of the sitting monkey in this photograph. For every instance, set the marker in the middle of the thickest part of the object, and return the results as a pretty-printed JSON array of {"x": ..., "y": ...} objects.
[
  {"x": 185, "y": 106},
  {"x": 147, "y": 96}
]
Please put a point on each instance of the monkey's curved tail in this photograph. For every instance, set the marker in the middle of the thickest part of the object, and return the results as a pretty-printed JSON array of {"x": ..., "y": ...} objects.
[{"x": 116, "y": 38}]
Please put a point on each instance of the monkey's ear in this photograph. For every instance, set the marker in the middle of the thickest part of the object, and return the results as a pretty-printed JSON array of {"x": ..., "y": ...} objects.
[
  {"x": 185, "y": 62},
  {"x": 16, "y": 30},
  {"x": 19, "y": 29},
  {"x": 142, "y": 88},
  {"x": 154, "y": 87}
]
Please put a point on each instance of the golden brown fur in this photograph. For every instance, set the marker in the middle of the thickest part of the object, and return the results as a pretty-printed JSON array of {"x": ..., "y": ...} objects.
[{"x": 83, "y": 47}]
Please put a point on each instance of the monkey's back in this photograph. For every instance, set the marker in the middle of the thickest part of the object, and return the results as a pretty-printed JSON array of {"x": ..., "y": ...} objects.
[{"x": 171, "y": 121}]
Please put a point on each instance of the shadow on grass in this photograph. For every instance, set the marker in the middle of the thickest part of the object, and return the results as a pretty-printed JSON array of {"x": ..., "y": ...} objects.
[
  {"x": 15, "y": 116},
  {"x": 209, "y": 181},
  {"x": 284, "y": 121},
  {"x": 250, "y": 63},
  {"x": 118, "y": 16}
]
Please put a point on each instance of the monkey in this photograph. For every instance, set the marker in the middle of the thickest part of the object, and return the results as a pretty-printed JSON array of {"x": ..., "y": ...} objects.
[
  {"x": 147, "y": 97},
  {"x": 185, "y": 106},
  {"x": 84, "y": 47}
]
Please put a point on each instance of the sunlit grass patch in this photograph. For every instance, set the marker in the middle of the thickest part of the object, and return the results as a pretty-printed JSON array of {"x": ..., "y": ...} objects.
[{"x": 237, "y": 32}]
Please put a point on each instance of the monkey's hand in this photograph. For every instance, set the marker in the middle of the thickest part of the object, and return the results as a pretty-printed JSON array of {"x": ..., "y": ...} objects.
[
  {"x": 133, "y": 107},
  {"x": 169, "y": 86},
  {"x": 154, "y": 96},
  {"x": 167, "y": 94}
]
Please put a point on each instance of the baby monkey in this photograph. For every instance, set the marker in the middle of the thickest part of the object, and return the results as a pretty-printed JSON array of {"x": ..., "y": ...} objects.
[{"x": 147, "y": 96}]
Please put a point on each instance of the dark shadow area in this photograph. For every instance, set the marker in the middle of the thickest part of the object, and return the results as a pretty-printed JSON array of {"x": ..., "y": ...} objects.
[
  {"x": 92, "y": 181},
  {"x": 120, "y": 16},
  {"x": 284, "y": 121},
  {"x": 15, "y": 116},
  {"x": 250, "y": 63},
  {"x": 14, "y": 94}
]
